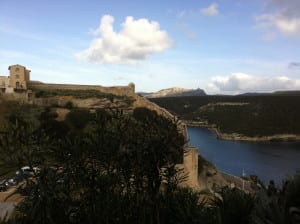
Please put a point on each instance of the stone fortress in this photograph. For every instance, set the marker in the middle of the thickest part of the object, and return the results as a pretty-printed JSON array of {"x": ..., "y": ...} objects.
[
  {"x": 18, "y": 86},
  {"x": 18, "y": 78}
]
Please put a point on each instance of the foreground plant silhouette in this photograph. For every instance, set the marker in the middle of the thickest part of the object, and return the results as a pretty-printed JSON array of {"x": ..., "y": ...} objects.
[
  {"x": 108, "y": 171},
  {"x": 106, "y": 168}
]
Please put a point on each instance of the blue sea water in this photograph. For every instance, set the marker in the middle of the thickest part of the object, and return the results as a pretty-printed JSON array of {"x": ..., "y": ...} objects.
[{"x": 268, "y": 160}]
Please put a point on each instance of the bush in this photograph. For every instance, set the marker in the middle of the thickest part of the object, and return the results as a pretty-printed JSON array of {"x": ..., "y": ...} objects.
[{"x": 69, "y": 105}]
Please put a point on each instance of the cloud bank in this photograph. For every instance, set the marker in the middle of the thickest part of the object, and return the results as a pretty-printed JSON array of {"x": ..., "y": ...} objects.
[
  {"x": 136, "y": 40},
  {"x": 211, "y": 10},
  {"x": 240, "y": 83},
  {"x": 284, "y": 18}
]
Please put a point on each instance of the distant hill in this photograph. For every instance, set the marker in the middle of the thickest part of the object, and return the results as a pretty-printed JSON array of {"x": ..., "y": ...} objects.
[
  {"x": 287, "y": 93},
  {"x": 278, "y": 93},
  {"x": 254, "y": 94},
  {"x": 246, "y": 115},
  {"x": 174, "y": 92}
]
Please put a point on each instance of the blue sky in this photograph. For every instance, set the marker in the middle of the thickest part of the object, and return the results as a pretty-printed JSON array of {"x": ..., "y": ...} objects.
[{"x": 229, "y": 47}]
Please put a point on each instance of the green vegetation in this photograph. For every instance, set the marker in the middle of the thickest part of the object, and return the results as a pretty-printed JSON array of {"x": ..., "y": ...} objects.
[
  {"x": 246, "y": 115},
  {"x": 80, "y": 94},
  {"x": 107, "y": 168}
]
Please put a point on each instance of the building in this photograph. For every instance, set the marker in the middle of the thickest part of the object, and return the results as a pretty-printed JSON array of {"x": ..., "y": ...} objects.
[{"x": 18, "y": 79}]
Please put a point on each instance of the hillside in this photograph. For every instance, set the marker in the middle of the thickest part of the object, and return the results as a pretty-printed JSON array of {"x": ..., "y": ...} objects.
[
  {"x": 240, "y": 116},
  {"x": 175, "y": 92}
]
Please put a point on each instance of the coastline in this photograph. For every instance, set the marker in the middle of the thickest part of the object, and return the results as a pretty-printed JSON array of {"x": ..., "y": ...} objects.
[{"x": 239, "y": 137}]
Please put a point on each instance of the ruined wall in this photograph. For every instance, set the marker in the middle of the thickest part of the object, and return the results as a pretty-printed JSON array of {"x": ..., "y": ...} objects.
[{"x": 117, "y": 90}]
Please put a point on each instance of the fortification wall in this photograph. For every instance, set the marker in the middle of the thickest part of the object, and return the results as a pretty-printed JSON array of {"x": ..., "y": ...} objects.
[
  {"x": 190, "y": 161},
  {"x": 143, "y": 102},
  {"x": 117, "y": 90},
  {"x": 190, "y": 154},
  {"x": 21, "y": 97}
]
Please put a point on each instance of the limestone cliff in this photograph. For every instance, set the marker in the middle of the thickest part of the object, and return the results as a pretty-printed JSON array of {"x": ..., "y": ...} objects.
[{"x": 175, "y": 92}]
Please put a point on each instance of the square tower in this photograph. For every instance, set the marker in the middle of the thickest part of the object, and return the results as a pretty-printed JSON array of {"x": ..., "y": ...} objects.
[{"x": 19, "y": 76}]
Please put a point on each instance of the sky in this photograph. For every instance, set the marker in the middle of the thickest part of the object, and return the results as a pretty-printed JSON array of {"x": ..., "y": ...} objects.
[{"x": 222, "y": 46}]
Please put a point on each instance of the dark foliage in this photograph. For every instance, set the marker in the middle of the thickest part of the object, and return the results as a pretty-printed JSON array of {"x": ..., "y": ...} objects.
[
  {"x": 115, "y": 167},
  {"x": 108, "y": 171},
  {"x": 255, "y": 116},
  {"x": 81, "y": 94}
]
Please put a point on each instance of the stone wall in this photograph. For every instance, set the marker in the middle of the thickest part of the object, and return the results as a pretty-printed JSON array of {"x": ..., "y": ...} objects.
[
  {"x": 190, "y": 155},
  {"x": 11, "y": 95},
  {"x": 190, "y": 162},
  {"x": 117, "y": 90}
]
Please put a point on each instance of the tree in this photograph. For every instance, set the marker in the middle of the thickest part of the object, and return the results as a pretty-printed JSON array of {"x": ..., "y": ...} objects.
[
  {"x": 21, "y": 143},
  {"x": 109, "y": 168},
  {"x": 233, "y": 206}
]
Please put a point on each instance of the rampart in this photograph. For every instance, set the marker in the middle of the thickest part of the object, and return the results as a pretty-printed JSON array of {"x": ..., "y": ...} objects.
[
  {"x": 189, "y": 168},
  {"x": 116, "y": 90}
]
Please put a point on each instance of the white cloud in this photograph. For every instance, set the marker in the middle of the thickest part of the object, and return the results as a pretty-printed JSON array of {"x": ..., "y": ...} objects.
[
  {"x": 283, "y": 24},
  {"x": 136, "y": 40},
  {"x": 284, "y": 17},
  {"x": 240, "y": 83},
  {"x": 211, "y": 10}
]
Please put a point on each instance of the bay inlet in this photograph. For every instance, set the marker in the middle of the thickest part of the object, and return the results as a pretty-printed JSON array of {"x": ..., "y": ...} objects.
[{"x": 268, "y": 160}]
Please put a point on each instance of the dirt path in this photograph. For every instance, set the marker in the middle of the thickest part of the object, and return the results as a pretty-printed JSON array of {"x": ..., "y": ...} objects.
[
  {"x": 8, "y": 201},
  {"x": 6, "y": 209}
]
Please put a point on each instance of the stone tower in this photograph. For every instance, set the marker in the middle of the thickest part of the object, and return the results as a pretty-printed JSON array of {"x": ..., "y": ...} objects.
[{"x": 19, "y": 76}]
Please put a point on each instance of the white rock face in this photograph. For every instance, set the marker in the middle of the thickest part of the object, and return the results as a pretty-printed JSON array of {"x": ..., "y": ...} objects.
[{"x": 176, "y": 91}]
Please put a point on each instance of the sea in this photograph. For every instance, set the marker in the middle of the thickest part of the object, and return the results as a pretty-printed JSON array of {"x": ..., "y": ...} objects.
[{"x": 275, "y": 161}]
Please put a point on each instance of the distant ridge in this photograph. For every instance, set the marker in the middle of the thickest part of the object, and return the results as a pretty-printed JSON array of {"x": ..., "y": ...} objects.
[
  {"x": 174, "y": 92},
  {"x": 181, "y": 92},
  {"x": 254, "y": 94},
  {"x": 279, "y": 93},
  {"x": 288, "y": 93}
]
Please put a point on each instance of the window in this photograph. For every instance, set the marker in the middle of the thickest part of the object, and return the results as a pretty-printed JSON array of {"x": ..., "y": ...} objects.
[
  {"x": 17, "y": 69},
  {"x": 17, "y": 76}
]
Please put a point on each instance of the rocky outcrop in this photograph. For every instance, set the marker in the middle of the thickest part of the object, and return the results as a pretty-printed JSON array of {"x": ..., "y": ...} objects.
[
  {"x": 211, "y": 179},
  {"x": 175, "y": 92}
]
